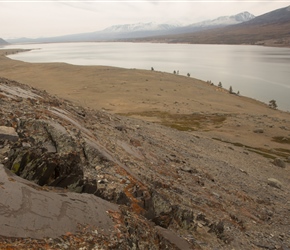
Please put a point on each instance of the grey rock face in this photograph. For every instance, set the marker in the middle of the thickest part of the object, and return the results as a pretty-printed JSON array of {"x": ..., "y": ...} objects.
[{"x": 35, "y": 212}]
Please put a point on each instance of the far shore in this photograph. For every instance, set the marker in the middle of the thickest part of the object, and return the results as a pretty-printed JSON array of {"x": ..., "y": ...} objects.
[{"x": 149, "y": 95}]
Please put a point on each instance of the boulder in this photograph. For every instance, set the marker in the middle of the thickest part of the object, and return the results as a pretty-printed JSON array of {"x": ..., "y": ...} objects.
[
  {"x": 258, "y": 130},
  {"x": 274, "y": 183},
  {"x": 279, "y": 163},
  {"x": 8, "y": 133}
]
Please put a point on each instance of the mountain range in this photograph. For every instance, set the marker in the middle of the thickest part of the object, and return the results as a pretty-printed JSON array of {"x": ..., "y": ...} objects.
[
  {"x": 140, "y": 30},
  {"x": 272, "y": 28}
]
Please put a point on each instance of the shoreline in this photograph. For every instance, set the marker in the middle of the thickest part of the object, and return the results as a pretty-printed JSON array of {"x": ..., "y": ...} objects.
[
  {"x": 14, "y": 51},
  {"x": 165, "y": 98},
  {"x": 7, "y": 52},
  {"x": 273, "y": 45}
]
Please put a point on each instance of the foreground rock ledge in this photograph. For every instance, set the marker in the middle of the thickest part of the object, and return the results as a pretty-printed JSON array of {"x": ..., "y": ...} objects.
[
  {"x": 121, "y": 183},
  {"x": 28, "y": 210}
]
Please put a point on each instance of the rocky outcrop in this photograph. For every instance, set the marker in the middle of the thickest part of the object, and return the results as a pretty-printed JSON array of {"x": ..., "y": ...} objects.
[
  {"x": 39, "y": 212},
  {"x": 154, "y": 187},
  {"x": 28, "y": 210},
  {"x": 49, "y": 146}
]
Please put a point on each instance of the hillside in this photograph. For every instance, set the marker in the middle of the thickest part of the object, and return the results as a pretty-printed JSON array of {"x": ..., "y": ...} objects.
[
  {"x": 269, "y": 29},
  {"x": 167, "y": 167}
]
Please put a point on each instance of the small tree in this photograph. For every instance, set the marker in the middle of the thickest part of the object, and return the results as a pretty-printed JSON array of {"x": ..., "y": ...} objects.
[
  {"x": 174, "y": 72},
  {"x": 152, "y": 68},
  {"x": 220, "y": 85},
  {"x": 238, "y": 93},
  {"x": 273, "y": 104},
  {"x": 188, "y": 74}
]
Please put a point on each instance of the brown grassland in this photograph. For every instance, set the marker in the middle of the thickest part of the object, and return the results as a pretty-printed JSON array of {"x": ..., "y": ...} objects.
[{"x": 176, "y": 101}]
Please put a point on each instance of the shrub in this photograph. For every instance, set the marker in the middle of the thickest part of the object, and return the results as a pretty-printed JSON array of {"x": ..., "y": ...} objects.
[{"x": 273, "y": 104}]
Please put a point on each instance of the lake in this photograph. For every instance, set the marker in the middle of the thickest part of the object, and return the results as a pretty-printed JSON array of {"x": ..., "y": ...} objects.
[{"x": 262, "y": 73}]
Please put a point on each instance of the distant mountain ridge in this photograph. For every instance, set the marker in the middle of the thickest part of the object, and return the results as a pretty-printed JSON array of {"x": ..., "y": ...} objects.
[
  {"x": 272, "y": 28},
  {"x": 139, "y": 30},
  {"x": 219, "y": 22},
  {"x": 227, "y": 20},
  {"x": 278, "y": 16},
  {"x": 152, "y": 26},
  {"x": 3, "y": 42},
  {"x": 140, "y": 27}
]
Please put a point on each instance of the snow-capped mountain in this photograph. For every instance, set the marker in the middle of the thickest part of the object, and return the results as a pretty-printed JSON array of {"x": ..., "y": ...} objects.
[
  {"x": 244, "y": 17},
  {"x": 151, "y": 26},
  {"x": 141, "y": 30},
  {"x": 226, "y": 20}
]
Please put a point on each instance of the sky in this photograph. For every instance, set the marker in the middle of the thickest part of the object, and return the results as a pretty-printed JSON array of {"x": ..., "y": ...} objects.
[{"x": 44, "y": 18}]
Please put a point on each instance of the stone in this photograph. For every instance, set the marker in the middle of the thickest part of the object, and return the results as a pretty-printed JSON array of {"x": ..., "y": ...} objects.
[
  {"x": 243, "y": 171},
  {"x": 26, "y": 145},
  {"x": 185, "y": 169},
  {"x": 8, "y": 133},
  {"x": 279, "y": 163},
  {"x": 121, "y": 128},
  {"x": 217, "y": 228},
  {"x": 179, "y": 242},
  {"x": 258, "y": 130},
  {"x": 274, "y": 183}
]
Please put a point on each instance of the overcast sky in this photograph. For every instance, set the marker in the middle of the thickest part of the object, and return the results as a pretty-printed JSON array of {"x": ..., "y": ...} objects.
[{"x": 41, "y": 18}]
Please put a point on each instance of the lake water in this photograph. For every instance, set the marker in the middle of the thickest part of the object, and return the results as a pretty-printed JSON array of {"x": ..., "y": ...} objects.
[{"x": 262, "y": 73}]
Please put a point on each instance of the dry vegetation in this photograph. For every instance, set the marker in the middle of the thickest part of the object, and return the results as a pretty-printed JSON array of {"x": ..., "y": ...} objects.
[{"x": 176, "y": 101}]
